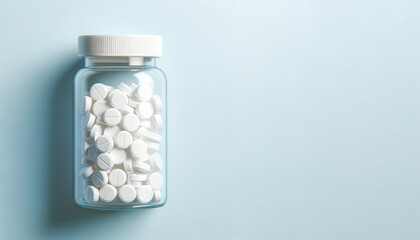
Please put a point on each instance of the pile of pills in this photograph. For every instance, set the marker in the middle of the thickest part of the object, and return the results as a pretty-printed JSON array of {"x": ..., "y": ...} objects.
[{"x": 121, "y": 160}]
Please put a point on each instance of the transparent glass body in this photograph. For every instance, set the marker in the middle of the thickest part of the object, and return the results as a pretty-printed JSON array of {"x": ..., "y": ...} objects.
[{"x": 131, "y": 164}]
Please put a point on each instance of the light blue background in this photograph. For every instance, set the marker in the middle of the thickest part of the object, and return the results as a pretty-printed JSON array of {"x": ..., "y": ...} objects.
[{"x": 287, "y": 119}]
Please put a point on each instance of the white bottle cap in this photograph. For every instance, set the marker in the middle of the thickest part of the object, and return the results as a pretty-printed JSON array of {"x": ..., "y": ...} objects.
[{"x": 120, "y": 45}]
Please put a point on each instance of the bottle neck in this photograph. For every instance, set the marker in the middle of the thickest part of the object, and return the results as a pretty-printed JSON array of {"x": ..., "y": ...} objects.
[{"x": 120, "y": 62}]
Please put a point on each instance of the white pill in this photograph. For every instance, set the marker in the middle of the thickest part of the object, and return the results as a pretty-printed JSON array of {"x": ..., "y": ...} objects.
[
  {"x": 98, "y": 91},
  {"x": 119, "y": 155},
  {"x": 125, "y": 89},
  {"x": 157, "y": 121},
  {"x": 141, "y": 167},
  {"x": 137, "y": 177},
  {"x": 144, "y": 92},
  {"x": 152, "y": 136},
  {"x": 118, "y": 100},
  {"x": 130, "y": 122},
  {"x": 155, "y": 180},
  {"x": 105, "y": 161},
  {"x": 140, "y": 132},
  {"x": 86, "y": 145},
  {"x": 145, "y": 123},
  {"x": 117, "y": 177},
  {"x": 128, "y": 109},
  {"x": 144, "y": 110},
  {"x": 127, "y": 193},
  {"x": 144, "y": 158},
  {"x": 135, "y": 184},
  {"x": 91, "y": 194},
  {"x": 89, "y": 121},
  {"x": 157, "y": 104},
  {"x": 86, "y": 171},
  {"x": 112, "y": 117},
  {"x": 104, "y": 143},
  {"x": 99, "y": 178},
  {"x": 132, "y": 103},
  {"x": 145, "y": 194},
  {"x": 157, "y": 195},
  {"x": 111, "y": 131},
  {"x": 99, "y": 107},
  {"x": 108, "y": 193},
  {"x": 112, "y": 92},
  {"x": 128, "y": 166},
  {"x": 123, "y": 139},
  {"x": 133, "y": 86},
  {"x": 95, "y": 133},
  {"x": 138, "y": 148},
  {"x": 87, "y": 104},
  {"x": 152, "y": 147},
  {"x": 100, "y": 121},
  {"x": 92, "y": 153},
  {"x": 156, "y": 161}
]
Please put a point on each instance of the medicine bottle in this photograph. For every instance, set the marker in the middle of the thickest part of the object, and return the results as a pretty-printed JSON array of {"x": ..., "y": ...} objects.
[{"x": 120, "y": 123}]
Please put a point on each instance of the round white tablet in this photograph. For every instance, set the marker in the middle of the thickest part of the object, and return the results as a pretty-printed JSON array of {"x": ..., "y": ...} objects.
[
  {"x": 99, "y": 178},
  {"x": 105, "y": 161},
  {"x": 141, "y": 167},
  {"x": 128, "y": 166},
  {"x": 144, "y": 92},
  {"x": 98, "y": 91},
  {"x": 152, "y": 136},
  {"x": 132, "y": 103},
  {"x": 144, "y": 158},
  {"x": 140, "y": 132},
  {"x": 127, "y": 109},
  {"x": 86, "y": 145},
  {"x": 118, "y": 100},
  {"x": 137, "y": 177},
  {"x": 112, "y": 92},
  {"x": 157, "y": 121},
  {"x": 99, "y": 107},
  {"x": 86, "y": 172},
  {"x": 95, "y": 133},
  {"x": 145, "y": 194},
  {"x": 125, "y": 89},
  {"x": 87, "y": 104},
  {"x": 111, "y": 131},
  {"x": 119, "y": 155},
  {"x": 135, "y": 184},
  {"x": 91, "y": 194},
  {"x": 92, "y": 153},
  {"x": 145, "y": 123},
  {"x": 117, "y": 177},
  {"x": 133, "y": 86},
  {"x": 155, "y": 180},
  {"x": 123, "y": 139},
  {"x": 130, "y": 122},
  {"x": 104, "y": 143},
  {"x": 89, "y": 121},
  {"x": 112, "y": 117},
  {"x": 127, "y": 193},
  {"x": 108, "y": 193},
  {"x": 152, "y": 146},
  {"x": 144, "y": 110},
  {"x": 156, "y": 161},
  {"x": 157, "y": 195},
  {"x": 138, "y": 148},
  {"x": 157, "y": 104}
]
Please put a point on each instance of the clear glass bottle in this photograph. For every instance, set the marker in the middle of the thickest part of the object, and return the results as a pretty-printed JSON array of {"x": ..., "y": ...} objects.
[{"x": 120, "y": 123}]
